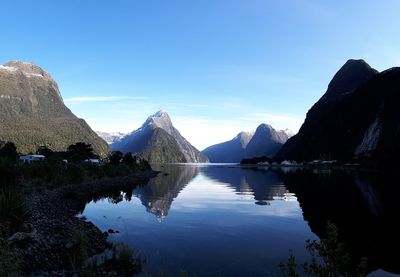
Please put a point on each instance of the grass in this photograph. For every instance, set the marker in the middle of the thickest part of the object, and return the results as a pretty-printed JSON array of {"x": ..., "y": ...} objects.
[
  {"x": 79, "y": 250},
  {"x": 126, "y": 259},
  {"x": 13, "y": 210}
]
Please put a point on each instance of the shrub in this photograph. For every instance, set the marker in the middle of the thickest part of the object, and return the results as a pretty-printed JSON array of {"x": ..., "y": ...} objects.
[{"x": 328, "y": 258}]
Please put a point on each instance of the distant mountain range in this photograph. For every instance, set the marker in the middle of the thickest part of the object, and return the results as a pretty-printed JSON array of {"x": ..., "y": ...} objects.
[
  {"x": 33, "y": 114},
  {"x": 110, "y": 138},
  {"x": 357, "y": 119},
  {"x": 158, "y": 141},
  {"x": 265, "y": 141}
]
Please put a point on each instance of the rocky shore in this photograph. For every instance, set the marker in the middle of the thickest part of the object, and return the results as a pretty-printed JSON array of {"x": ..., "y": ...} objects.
[{"x": 47, "y": 243}]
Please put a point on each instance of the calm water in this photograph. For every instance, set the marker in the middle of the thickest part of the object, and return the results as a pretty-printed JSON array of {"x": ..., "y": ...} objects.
[{"x": 224, "y": 220}]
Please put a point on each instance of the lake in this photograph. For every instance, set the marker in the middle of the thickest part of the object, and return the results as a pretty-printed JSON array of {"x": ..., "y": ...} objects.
[{"x": 228, "y": 220}]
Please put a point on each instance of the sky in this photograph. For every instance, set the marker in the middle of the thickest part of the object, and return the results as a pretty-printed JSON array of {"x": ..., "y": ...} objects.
[{"x": 217, "y": 67}]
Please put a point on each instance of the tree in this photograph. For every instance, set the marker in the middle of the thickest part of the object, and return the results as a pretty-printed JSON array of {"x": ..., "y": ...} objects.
[
  {"x": 80, "y": 151},
  {"x": 9, "y": 152},
  {"x": 128, "y": 158},
  {"x": 115, "y": 157},
  {"x": 45, "y": 151}
]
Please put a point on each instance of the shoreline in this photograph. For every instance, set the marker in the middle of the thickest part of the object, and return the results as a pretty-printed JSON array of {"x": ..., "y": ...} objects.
[{"x": 46, "y": 244}]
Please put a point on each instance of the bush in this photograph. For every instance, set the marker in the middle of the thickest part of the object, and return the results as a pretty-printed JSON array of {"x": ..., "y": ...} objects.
[{"x": 328, "y": 258}]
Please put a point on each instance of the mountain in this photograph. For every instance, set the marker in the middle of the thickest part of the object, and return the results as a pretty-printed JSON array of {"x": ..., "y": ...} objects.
[
  {"x": 158, "y": 141},
  {"x": 231, "y": 151},
  {"x": 356, "y": 119},
  {"x": 265, "y": 141},
  {"x": 32, "y": 112},
  {"x": 110, "y": 138}
]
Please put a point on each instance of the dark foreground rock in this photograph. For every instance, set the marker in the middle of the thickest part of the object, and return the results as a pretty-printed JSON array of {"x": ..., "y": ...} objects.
[{"x": 49, "y": 244}]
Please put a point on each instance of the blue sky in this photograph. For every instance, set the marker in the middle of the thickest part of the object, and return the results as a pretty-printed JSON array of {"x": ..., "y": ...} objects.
[{"x": 217, "y": 67}]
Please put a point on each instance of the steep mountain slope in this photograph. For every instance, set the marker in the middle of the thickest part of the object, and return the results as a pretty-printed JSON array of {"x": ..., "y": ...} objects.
[
  {"x": 32, "y": 112},
  {"x": 231, "y": 151},
  {"x": 265, "y": 142},
  {"x": 357, "y": 118},
  {"x": 158, "y": 141}
]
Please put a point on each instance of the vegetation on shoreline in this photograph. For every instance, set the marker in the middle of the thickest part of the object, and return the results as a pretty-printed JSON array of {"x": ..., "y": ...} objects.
[{"x": 18, "y": 180}]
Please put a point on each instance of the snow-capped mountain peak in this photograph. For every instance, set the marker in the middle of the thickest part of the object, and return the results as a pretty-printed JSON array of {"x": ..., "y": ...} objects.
[
  {"x": 161, "y": 120},
  {"x": 110, "y": 137}
]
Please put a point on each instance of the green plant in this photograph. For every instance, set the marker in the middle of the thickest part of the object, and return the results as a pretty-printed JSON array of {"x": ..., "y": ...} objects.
[
  {"x": 290, "y": 268},
  {"x": 79, "y": 249},
  {"x": 126, "y": 259},
  {"x": 328, "y": 258},
  {"x": 12, "y": 206},
  {"x": 80, "y": 151}
]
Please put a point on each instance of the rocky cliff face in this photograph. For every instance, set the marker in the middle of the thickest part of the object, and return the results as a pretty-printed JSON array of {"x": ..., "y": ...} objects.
[
  {"x": 357, "y": 119},
  {"x": 158, "y": 141},
  {"x": 32, "y": 112}
]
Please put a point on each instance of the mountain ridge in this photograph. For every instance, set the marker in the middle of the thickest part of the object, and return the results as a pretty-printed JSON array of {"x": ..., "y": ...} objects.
[
  {"x": 158, "y": 132},
  {"x": 244, "y": 145},
  {"x": 359, "y": 124},
  {"x": 33, "y": 113}
]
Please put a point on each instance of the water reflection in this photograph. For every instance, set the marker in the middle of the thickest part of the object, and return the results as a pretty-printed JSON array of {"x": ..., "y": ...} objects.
[
  {"x": 362, "y": 205},
  {"x": 214, "y": 211},
  {"x": 262, "y": 185},
  {"x": 158, "y": 194}
]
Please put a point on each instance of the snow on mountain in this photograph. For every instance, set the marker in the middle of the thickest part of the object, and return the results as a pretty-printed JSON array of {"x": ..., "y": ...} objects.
[{"x": 110, "y": 137}]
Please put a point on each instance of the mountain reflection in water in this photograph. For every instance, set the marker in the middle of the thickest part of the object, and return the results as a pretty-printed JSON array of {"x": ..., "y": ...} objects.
[{"x": 215, "y": 228}]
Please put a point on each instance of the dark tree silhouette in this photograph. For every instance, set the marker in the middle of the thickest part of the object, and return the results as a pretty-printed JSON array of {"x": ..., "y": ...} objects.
[
  {"x": 45, "y": 151},
  {"x": 80, "y": 151},
  {"x": 8, "y": 151},
  {"x": 128, "y": 158},
  {"x": 115, "y": 157}
]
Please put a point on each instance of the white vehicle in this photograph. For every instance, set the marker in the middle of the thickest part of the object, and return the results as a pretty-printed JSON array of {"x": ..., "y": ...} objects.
[
  {"x": 31, "y": 158},
  {"x": 92, "y": 161}
]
